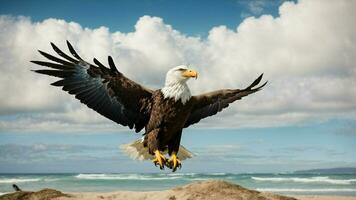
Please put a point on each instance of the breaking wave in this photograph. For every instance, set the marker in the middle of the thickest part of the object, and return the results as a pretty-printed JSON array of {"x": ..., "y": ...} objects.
[
  {"x": 317, "y": 179},
  {"x": 321, "y": 190},
  {"x": 217, "y": 174},
  {"x": 190, "y": 176},
  {"x": 2, "y": 193},
  {"x": 181, "y": 174},
  {"x": 197, "y": 174},
  {"x": 18, "y": 180},
  {"x": 121, "y": 177}
]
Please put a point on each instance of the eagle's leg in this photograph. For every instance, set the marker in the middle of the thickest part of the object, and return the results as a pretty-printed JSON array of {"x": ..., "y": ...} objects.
[
  {"x": 173, "y": 148},
  {"x": 152, "y": 142},
  {"x": 174, "y": 162},
  {"x": 159, "y": 159}
]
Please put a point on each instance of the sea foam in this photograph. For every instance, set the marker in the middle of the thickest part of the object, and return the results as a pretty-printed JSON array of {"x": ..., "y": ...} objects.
[
  {"x": 320, "y": 190},
  {"x": 316, "y": 179},
  {"x": 121, "y": 177},
  {"x": 2, "y": 193},
  {"x": 18, "y": 180}
]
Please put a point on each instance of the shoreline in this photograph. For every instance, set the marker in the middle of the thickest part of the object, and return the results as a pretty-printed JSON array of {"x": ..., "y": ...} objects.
[
  {"x": 122, "y": 195},
  {"x": 199, "y": 190},
  {"x": 323, "y": 197}
]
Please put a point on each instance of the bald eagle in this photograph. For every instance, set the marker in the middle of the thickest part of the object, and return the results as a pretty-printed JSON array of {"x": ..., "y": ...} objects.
[{"x": 163, "y": 112}]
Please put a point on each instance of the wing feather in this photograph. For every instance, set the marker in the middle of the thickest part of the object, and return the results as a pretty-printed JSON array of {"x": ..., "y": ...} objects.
[
  {"x": 102, "y": 89},
  {"x": 62, "y": 54},
  {"x": 54, "y": 65},
  {"x": 55, "y": 59},
  {"x": 73, "y": 52},
  {"x": 209, "y": 104}
]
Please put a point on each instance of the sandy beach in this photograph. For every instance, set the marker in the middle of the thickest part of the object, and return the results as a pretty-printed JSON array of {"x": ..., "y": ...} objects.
[{"x": 194, "y": 191}]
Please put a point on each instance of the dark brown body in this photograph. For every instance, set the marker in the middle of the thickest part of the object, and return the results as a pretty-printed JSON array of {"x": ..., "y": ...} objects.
[{"x": 167, "y": 119}]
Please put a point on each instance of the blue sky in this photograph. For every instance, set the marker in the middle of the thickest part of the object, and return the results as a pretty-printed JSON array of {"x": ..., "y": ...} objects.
[
  {"x": 190, "y": 17},
  {"x": 304, "y": 119}
]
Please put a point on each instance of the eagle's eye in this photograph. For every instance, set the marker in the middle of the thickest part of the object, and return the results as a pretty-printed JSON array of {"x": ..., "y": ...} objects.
[{"x": 181, "y": 69}]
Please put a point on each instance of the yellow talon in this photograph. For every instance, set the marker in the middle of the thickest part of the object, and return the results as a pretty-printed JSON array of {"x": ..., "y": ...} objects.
[
  {"x": 160, "y": 159},
  {"x": 174, "y": 162}
]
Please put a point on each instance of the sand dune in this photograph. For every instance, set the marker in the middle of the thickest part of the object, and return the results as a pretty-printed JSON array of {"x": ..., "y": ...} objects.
[{"x": 194, "y": 191}]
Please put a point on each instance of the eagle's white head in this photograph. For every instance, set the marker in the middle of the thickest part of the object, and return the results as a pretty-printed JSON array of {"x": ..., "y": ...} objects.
[{"x": 176, "y": 86}]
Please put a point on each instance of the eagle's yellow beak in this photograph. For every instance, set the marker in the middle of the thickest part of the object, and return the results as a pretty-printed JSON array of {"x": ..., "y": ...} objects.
[{"x": 189, "y": 73}]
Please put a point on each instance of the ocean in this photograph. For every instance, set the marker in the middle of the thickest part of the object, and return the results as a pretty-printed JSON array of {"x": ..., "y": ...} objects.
[{"x": 277, "y": 183}]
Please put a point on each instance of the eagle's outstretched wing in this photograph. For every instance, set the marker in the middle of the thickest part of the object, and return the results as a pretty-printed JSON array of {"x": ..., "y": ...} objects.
[
  {"x": 102, "y": 89},
  {"x": 209, "y": 104}
]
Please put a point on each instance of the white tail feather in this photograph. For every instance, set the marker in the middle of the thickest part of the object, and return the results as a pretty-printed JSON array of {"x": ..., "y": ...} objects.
[{"x": 137, "y": 151}]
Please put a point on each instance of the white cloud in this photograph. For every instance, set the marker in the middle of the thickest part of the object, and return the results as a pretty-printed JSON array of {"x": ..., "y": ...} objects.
[
  {"x": 307, "y": 54},
  {"x": 256, "y": 7}
]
